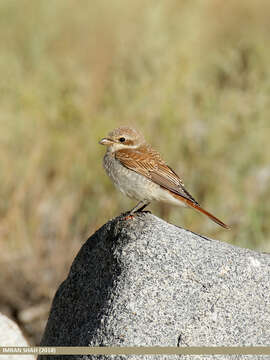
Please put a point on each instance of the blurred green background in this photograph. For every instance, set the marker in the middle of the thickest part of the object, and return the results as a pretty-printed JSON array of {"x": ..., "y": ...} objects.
[{"x": 193, "y": 76}]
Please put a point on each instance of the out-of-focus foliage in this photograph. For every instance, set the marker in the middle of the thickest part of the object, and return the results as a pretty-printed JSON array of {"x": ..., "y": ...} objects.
[{"x": 194, "y": 76}]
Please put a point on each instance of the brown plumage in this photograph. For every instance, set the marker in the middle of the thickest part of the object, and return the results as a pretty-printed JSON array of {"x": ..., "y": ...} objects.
[{"x": 148, "y": 162}]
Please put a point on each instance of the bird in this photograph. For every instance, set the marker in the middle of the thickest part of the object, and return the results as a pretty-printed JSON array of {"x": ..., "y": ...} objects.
[{"x": 140, "y": 173}]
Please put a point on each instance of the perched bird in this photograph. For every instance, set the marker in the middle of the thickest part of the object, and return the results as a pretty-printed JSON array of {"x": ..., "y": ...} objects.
[{"x": 140, "y": 173}]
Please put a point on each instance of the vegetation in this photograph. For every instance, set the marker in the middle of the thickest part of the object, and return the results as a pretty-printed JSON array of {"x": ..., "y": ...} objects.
[{"x": 194, "y": 76}]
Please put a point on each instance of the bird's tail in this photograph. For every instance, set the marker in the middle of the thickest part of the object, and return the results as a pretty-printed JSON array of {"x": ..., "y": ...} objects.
[{"x": 198, "y": 208}]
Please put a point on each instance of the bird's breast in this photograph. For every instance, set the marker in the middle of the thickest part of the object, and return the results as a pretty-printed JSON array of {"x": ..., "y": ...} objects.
[{"x": 128, "y": 181}]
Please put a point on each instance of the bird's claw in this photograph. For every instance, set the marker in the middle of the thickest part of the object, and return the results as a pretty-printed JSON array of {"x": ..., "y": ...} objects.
[{"x": 130, "y": 215}]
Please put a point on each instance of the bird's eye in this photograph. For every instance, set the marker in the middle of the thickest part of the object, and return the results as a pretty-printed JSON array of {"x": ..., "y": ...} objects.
[{"x": 122, "y": 139}]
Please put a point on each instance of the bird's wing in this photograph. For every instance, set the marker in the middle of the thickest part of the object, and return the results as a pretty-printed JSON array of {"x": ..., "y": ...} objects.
[{"x": 147, "y": 162}]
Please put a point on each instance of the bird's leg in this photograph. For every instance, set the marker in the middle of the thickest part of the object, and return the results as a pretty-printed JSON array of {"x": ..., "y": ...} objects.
[{"x": 140, "y": 206}]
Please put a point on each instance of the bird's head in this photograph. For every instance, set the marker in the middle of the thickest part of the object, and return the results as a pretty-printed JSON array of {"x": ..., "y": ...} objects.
[{"x": 123, "y": 138}]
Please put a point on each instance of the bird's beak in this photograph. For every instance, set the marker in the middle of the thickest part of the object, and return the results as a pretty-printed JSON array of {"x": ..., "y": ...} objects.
[{"x": 106, "y": 141}]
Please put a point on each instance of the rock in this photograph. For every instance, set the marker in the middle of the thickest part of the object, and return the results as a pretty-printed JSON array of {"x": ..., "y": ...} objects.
[
  {"x": 11, "y": 335},
  {"x": 144, "y": 282}
]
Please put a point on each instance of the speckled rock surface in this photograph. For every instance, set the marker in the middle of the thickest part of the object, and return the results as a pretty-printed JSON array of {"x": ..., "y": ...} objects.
[{"x": 144, "y": 282}]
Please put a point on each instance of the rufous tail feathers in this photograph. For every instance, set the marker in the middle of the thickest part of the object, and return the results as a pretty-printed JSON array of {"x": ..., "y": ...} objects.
[{"x": 198, "y": 208}]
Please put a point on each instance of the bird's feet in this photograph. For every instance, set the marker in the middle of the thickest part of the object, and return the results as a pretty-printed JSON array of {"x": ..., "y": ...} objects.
[{"x": 129, "y": 215}]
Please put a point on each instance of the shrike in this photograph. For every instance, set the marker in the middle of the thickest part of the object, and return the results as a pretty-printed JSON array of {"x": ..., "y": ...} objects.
[{"x": 139, "y": 172}]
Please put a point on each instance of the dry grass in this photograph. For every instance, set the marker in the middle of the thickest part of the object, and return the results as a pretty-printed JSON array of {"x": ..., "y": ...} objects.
[{"x": 192, "y": 75}]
